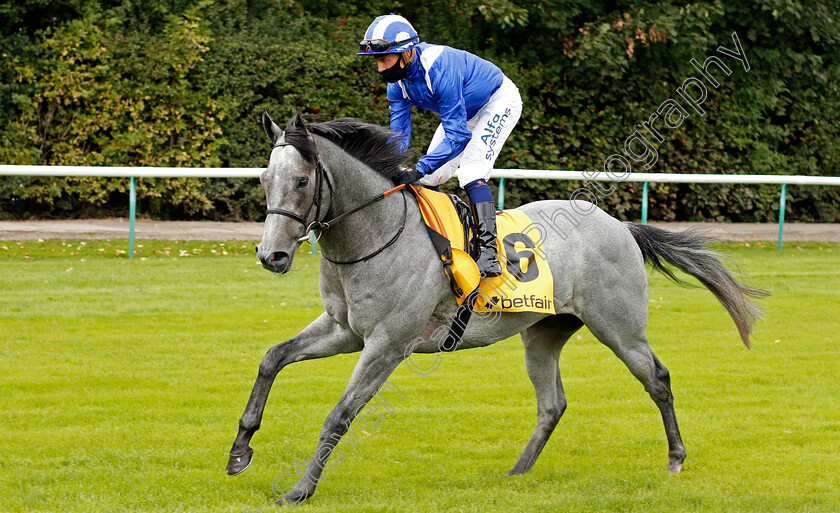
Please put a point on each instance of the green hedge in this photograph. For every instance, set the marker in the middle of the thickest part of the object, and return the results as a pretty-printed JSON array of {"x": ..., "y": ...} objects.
[{"x": 182, "y": 83}]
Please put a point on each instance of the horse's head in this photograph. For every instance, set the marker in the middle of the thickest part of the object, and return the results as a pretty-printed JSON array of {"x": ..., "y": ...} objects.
[{"x": 293, "y": 184}]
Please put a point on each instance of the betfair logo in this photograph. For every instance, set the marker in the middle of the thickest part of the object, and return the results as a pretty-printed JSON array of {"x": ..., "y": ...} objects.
[{"x": 507, "y": 303}]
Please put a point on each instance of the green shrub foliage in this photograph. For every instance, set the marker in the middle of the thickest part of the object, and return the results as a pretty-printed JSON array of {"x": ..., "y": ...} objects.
[{"x": 183, "y": 83}]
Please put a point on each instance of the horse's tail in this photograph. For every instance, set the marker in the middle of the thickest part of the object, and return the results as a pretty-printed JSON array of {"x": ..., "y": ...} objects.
[{"x": 688, "y": 252}]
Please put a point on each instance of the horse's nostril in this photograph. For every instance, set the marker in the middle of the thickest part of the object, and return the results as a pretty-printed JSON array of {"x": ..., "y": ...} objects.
[
  {"x": 257, "y": 249},
  {"x": 277, "y": 261}
]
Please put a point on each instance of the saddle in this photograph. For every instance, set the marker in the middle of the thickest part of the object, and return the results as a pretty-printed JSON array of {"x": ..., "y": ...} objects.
[{"x": 526, "y": 283}]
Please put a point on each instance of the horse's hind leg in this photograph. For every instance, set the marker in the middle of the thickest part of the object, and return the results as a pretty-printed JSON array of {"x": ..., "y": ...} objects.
[
  {"x": 676, "y": 449},
  {"x": 543, "y": 343},
  {"x": 624, "y": 333},
  {"x": 322, "y": 338}
]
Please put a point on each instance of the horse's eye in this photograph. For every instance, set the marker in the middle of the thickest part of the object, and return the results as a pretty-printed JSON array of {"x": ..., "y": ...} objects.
[{"x": 303, "y": 182}]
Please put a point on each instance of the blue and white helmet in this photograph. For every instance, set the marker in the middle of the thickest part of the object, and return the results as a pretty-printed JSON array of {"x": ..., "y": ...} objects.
[{"x": 389, "y": 33}]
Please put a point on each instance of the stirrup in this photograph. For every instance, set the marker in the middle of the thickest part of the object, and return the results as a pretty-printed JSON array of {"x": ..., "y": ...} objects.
[{"x": 489, "y": 267}]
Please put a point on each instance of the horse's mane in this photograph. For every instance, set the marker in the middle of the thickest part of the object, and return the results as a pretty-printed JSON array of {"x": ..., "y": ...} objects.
[{"x": 376, "y": 146}]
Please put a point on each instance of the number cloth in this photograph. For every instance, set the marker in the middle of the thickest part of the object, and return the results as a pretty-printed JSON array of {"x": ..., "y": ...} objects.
[{"x": 526, "y": 283}]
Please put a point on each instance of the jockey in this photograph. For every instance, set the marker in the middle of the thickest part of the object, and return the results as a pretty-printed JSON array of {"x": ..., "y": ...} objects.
[{"x": 478, "y": 107}]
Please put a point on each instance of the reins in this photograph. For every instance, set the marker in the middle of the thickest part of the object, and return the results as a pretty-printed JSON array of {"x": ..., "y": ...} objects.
[
  {"x": 387, "y": 244},
  {"x": 320, "y": 177}
]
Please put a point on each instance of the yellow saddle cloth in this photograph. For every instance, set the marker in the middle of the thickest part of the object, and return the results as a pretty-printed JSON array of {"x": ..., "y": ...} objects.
[{"x": 526, "y": 283}]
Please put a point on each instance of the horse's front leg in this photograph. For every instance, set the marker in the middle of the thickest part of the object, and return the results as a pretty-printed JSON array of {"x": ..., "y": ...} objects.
[
  {"x": 323, "y": 337},
  {"x": 378, "y": 360}
]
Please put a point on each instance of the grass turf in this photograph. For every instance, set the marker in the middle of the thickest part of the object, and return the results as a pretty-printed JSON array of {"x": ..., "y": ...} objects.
[{"x": 122, "y": 384}]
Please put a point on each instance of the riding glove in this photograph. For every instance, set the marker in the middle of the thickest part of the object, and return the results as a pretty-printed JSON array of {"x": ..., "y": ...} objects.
[{"x": 409, "y": 176}]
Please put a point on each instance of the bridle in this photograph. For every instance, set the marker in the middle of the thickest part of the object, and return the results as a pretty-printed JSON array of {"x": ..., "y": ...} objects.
[{"x": 321, "y": 177}]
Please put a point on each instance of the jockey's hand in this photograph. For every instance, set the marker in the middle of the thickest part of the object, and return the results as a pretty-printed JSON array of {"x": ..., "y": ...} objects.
[{"x": 408, "y": 176}]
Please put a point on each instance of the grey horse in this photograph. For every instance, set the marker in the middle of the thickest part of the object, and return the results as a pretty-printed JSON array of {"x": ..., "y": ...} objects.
[{"x": 384, "y": 291}]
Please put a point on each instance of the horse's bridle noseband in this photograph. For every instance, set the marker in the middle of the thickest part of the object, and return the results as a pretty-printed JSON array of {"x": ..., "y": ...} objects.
[{"x": 321, "y": 176}]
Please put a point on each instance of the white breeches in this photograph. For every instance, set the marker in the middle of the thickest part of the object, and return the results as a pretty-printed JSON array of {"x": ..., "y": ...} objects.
[{"x": 490, "y": 128}]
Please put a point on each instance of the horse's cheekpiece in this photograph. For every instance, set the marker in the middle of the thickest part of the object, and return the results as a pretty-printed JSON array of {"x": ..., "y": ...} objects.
[{"x": 526, "y": 283}]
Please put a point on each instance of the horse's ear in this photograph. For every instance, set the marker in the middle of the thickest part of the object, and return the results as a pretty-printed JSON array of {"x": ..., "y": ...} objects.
[
  {"x": 298, "y": 122},
  {"x": 273, "y": 131}
]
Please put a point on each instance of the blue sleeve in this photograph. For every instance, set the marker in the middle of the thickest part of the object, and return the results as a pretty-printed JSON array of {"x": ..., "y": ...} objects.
[
  {"x": 447, "y": 84},
  {"x": 400, "y": 114}
]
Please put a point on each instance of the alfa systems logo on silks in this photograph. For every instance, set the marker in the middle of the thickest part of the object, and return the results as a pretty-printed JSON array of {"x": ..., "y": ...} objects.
[
  {"x": 526, "y": 285},
  {"x": 490, "y": 134}
]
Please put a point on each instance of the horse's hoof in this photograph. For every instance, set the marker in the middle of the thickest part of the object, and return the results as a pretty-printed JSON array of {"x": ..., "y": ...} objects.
[
  {"x": 239, "y": 462},
  {"x": 294, "y": 498},
  {"x": 675, "y": 461}
]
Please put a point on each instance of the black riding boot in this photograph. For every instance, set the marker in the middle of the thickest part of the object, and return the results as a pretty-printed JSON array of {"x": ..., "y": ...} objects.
[{"x": 485, "y": 223}]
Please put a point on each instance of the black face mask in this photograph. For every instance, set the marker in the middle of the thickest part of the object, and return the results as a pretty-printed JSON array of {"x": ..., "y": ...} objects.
[{"x": 395, "y": 73}]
